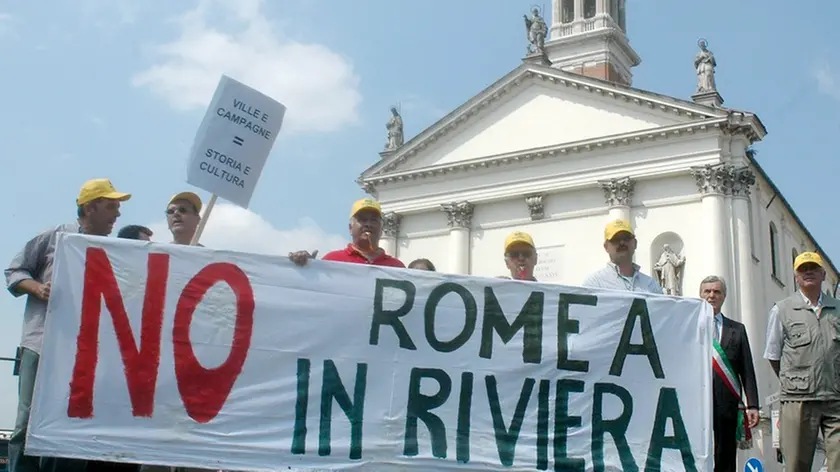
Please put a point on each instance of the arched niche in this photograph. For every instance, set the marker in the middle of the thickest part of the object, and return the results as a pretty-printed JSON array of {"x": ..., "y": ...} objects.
[{"x": 668, "y": 269}]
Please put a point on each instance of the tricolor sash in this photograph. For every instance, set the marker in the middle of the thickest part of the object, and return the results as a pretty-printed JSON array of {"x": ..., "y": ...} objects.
[{"x": 723, "y": 369}]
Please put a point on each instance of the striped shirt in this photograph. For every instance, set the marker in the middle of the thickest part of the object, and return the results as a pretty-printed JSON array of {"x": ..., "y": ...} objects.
[{"x": 609, "y": 278}]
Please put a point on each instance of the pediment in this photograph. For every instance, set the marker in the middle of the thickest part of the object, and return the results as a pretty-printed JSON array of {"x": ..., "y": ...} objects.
[{"x": 536, "y": 107}]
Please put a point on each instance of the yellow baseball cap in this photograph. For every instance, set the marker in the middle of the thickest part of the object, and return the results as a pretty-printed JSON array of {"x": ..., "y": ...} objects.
[
  {"x": 518, "y": 237},
  {"x": 188, "y": 196},
  {"x": 365, "y": 204},
  {"x": 808, "y": 257},
  {"x": 615, "y": 227},
  {"x": 99, "y": 188}
]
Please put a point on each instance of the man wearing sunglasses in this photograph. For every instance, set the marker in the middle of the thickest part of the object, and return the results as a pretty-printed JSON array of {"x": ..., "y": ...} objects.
[
  {"x": 621, "y": 273},
  {"x": 183, "y": 216},
  {"x": 803, "y": 347},
  {"x": 520, "y": 256}
]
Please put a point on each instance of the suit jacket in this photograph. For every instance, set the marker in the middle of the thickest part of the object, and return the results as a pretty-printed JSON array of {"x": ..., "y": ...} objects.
[{"x": 736, "y": 345}]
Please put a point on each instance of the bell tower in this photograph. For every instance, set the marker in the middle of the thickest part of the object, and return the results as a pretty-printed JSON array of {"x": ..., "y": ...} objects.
[{"x": 589, "y": 37}]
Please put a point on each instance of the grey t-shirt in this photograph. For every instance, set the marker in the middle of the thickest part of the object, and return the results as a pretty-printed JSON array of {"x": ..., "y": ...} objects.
[{"x": 35, "y": 261}]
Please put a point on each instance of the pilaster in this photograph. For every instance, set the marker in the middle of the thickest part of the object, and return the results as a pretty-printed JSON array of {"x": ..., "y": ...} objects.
[
  {"x": 715, "y": 182},
  {"x": 750, "y": 313},
  {"x": 743, "y": 181},
  {"x": 390, "y": 232},
  {"x": 459, "y": 218},
  {"x": 618, "y": 195},
  {"x": 535, "y": 206}
]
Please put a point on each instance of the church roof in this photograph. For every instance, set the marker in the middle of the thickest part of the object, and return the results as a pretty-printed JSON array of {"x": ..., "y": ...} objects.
[{"x": 527, "y": 73}]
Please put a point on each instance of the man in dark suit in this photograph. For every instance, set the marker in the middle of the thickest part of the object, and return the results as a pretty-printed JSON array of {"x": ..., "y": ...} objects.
[{"x": 739, "y": 375}]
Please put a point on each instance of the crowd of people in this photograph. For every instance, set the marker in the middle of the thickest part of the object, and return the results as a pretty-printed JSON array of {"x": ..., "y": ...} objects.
[{"x": 802, "y": 335}]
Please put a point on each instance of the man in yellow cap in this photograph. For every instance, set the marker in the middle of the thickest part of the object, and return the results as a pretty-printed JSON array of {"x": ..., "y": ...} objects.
[
  {"x": 365, "y": 230},
  {"x": 803, "y": 347},
  {"x": 520, "y": 256},
  {"x": 29, "y": 273},
  {"x": 621, "y": 273},
  {"x": 183, "y": 213}
]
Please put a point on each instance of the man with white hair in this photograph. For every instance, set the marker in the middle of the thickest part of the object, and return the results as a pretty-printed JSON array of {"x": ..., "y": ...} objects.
[
  {"x": 734, "y": 378},
  {"x": 365, "y": 231},
  {"x": 803, "y": 347},
  {"x": 520, "y": 256}
]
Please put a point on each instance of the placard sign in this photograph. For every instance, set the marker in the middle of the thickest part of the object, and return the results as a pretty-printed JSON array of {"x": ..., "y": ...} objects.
[
  {"x": 233, "y": 141},
  {"x": 185, "y": 356}
]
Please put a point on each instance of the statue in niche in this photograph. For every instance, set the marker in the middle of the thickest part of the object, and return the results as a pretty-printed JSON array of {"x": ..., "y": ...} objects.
[
  {"x": 396, "y": 138},
  {"x": 704, "y": 63},
  {"x": 536, "y": 30},
  {"x": 669, "y": 270}
]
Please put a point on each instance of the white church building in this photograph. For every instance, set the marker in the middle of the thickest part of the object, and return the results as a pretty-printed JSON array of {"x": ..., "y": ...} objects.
[{"x": 563, "y": 144}]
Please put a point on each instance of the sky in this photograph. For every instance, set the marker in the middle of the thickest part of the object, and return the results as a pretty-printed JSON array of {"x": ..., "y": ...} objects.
[{"x": 117, "y": 89}]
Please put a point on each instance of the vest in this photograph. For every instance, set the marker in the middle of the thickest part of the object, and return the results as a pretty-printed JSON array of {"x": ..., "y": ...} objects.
[{"x": 810, "y": 363}]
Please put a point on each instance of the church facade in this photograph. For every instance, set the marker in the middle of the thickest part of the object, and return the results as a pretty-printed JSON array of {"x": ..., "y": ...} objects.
[{"x": 563, "y": 144}]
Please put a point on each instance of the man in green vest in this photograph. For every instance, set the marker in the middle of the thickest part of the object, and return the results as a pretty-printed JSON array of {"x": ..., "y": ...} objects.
[{"x": 803, "y": 347}]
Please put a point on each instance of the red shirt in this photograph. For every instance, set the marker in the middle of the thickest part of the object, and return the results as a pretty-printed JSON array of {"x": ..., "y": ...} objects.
[{"x": 351, "y": 254}]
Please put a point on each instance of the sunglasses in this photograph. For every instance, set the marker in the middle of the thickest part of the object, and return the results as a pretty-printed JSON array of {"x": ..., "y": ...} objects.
[
  {"x": 518, "y": 254},
  {"x": 180, "y": 210}
]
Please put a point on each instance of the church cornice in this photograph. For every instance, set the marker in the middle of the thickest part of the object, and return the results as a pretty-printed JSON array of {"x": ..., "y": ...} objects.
[
  {"x": 745, "y": 124},
  {"x": 525, "y": 74},
  {"x": 612, "y": 34},
  {"x": 569, "y": 149}
]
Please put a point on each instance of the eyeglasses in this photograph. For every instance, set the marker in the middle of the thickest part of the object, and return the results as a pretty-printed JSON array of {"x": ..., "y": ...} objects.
[
  {"x": 181, "y": 210},
  {"x": 518, "y": 254}
]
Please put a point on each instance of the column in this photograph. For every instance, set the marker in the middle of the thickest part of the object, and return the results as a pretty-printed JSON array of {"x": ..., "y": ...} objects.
[
  {"x": 750, "y": 311},
  {"x": 715, "y": 182},
  {"x": 618, "y": 194},
  {"x": 390, "y": 232},
  {"x": 459, "y": 218},
  {"x": 601, "y": 6}
]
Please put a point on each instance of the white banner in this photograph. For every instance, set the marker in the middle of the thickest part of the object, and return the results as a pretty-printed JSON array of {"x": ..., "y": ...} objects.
[{"x": 177, "y": 355}]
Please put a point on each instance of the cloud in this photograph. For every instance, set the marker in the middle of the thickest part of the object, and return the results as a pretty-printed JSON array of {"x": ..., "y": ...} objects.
[
  {"x": 234, "y": 228},
  {"x": 827, "y": 81},
  {"x": 318, "y": 86},
  {"x": 8, "y": 25}
]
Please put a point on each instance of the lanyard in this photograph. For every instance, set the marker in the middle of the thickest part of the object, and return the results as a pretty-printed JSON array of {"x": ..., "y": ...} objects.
[{"x": 630, "y": 285}]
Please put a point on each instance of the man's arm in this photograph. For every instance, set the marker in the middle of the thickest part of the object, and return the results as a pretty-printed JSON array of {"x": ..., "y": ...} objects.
[
  {"x": 21, "y": 273},
  {"x": 773, "y": 351},
  {"x": 748, "y": 370}
]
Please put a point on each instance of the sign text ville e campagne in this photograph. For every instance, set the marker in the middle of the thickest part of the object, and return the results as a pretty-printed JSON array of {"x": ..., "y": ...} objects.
[{"x": 233, "y": 141}]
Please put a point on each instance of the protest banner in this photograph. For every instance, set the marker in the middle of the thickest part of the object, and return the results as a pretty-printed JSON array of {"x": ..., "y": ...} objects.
[
  {"x": 232, "y": 144},
  {"x": 188, "y": 356}
]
